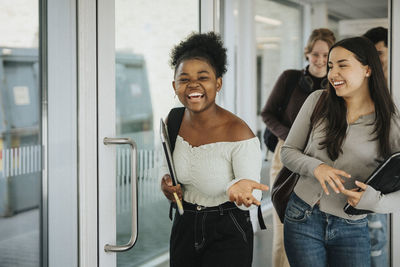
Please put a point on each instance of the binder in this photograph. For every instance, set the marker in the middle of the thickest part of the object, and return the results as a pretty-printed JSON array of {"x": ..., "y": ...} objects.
[
  {"x": 168, "y": 156},
  {"x": 385, "y": 178}
]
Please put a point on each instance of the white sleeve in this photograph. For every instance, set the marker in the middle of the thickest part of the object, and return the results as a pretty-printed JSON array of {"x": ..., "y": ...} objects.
[{"x": 246, "y": 164}]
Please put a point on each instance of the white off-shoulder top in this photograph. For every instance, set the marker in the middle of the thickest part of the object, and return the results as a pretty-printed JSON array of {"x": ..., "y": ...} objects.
[{"x": 207, "y": 171}]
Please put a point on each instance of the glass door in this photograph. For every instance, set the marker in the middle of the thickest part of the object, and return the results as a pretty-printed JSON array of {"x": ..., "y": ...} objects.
[
  {"x": 20, "y": 131},
  {"x": 145, "y": 33}
]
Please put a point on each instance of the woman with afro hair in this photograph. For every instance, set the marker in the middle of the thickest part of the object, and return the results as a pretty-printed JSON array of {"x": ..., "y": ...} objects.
[{"x": 217, "y": 162}]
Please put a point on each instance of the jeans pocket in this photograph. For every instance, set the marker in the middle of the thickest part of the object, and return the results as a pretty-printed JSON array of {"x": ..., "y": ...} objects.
[
  {"x": 297, "y": 210},
  {"x": 238, "y": 226},
  {"x": 360, "y": 222}
]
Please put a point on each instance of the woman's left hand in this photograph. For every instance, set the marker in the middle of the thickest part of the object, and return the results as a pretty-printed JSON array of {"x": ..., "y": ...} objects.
[
  {"x": 353, "y": 195},
  {"x": 241, "y": 192}
]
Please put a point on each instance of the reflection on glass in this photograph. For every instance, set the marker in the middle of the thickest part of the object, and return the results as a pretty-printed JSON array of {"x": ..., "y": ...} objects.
[
  {"x": 145, "y": 34},
  {"x": 279, "y": 43},
  {"x": 20, "y": 150}
]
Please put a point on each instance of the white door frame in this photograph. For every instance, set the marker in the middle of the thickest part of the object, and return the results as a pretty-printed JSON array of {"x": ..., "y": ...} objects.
[
  {"x": 87, "y": 132},
  {"x": 96, "y": 116}
]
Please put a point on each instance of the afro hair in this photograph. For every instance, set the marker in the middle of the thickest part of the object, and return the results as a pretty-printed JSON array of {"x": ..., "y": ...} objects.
[{"x": 206, "y": 46}]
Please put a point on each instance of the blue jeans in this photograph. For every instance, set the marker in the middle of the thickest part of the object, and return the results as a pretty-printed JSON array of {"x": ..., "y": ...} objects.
[
  {"x": 377, "y": 224},
  {"x": 315, "y": 238}
]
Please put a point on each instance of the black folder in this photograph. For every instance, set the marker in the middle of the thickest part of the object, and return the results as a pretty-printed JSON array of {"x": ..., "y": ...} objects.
[
  {"x": 167, "y": 151},
  {"x": 385, "y": 178}
]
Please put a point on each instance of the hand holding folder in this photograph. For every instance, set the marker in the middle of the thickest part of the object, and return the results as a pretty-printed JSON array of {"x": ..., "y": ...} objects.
[
  {"x": 168, "y": 156},
  {"x": 385, "y": 178}
]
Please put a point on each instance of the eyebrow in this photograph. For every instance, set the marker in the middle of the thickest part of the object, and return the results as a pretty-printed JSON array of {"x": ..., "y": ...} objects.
[
  {"x": 339, "y": 61},
  {"x": 199, "y": 72}
]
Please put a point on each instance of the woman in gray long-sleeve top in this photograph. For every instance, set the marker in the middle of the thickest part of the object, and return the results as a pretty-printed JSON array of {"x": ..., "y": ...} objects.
[
  {"x": 288, "y": 95},
  {"x": 354, "y": 126}
]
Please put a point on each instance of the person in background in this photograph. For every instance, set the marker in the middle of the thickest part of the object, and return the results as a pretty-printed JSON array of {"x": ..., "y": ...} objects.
[
  {"x": 379, "y": 36},
  {"x": 338, "y": 139},
  {"x": 280, "y": 111},
  {"x": 217, "y": 160},
  {"x": 377, "y": 223}
]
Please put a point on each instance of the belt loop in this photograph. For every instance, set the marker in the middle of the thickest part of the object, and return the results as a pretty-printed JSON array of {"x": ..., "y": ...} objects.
[{"x": 221, "y": 210}]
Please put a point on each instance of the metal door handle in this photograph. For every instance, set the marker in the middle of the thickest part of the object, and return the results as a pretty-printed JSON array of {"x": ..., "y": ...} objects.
[{"x": 131, "y": 243}]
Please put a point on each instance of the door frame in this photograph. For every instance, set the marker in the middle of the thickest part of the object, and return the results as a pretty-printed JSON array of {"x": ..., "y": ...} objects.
[{"x": 96, "y": 90}]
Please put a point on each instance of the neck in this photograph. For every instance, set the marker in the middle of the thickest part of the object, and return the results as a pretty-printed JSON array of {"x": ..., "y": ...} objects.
[
  {"x": 205, "y": 118},
  {"x": 359, "y": 105},
  {"x": 316, "y": 74}
]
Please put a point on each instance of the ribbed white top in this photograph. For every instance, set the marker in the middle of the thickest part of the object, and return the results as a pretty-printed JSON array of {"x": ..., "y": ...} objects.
[{"x": 207, "y": 171}]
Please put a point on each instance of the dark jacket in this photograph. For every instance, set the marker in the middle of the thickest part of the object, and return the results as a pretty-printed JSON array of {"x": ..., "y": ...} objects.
[{"x": 291, "y": 82}]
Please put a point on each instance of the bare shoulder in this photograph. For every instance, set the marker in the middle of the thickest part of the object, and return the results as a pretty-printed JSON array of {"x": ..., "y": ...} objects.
[{"x": 236, "y": 129}]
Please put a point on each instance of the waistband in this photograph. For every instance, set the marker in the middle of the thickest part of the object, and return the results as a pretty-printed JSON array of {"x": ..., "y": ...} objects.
[{"x": 220, "y": 208}]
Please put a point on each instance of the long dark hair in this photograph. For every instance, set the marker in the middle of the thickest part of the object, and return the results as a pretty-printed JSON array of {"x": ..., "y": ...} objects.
[{"x": 332, "y": 108}]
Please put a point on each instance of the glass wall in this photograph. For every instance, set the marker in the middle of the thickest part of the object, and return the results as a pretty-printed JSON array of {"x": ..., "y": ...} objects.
[
  {"x": 279, "y": 43},
  {"x": 278, "y": 32},
  {"x": 20, "y": 153},
  {"x": 146, "y": 31}
]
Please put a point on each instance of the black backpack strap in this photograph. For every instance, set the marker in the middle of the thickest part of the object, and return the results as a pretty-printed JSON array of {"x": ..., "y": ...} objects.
[
  {"x": 174, "y": 122},
  {"x": 260, "y": 218}
]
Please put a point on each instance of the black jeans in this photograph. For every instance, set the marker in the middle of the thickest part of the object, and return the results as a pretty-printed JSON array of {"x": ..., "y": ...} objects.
[{"x": 214, "y": 236}]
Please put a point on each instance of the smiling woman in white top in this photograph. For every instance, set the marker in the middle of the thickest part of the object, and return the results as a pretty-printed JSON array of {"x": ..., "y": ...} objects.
[{"x": 217, "y": 160}]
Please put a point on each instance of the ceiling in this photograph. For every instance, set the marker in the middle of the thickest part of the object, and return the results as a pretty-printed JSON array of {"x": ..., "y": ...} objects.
[{"x": 353, "y": 9}]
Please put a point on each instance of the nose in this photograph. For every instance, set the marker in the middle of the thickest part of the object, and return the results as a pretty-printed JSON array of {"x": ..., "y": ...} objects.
[
  {"x": 193, "y": 84},
  {"x": 321, "y": 59},
  {"x": 332, "y": 73}
]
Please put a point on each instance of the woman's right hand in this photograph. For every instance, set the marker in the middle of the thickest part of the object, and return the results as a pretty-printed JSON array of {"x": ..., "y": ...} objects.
[
  {"x": 327, "y": 174},
  {"x": 168, "y": 189}
]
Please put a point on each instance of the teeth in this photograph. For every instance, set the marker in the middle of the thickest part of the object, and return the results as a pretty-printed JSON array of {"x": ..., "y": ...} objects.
[
  {"x": 338, "y": 83},
  {"x": 195, "y": 94}
]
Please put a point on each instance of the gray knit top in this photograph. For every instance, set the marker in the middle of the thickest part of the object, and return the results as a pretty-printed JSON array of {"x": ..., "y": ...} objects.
[{"x": 359, "y": 158}]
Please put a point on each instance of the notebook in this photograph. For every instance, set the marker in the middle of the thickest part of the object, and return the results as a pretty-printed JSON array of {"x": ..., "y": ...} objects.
[
  {"x": 385, "y": 178},
  {"x": 167, "y": 150}
]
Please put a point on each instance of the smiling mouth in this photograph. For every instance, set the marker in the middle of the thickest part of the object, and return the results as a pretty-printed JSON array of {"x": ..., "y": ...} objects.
[
  {"x": 339, "y": 83},
  {"x": 195, "y": 96}
]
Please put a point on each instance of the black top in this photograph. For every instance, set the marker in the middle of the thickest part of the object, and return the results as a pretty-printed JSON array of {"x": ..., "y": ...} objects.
[{"x": 279, "y": 121}]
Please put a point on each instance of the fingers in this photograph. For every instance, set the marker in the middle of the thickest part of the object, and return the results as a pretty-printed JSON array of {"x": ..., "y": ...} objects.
[
  {"x": 361, "y": 185},
  {"x": 342, "y": 173},
  {"x": 167, "y": 180},
  {"x": 256, "y": 185},
  {"x": 350, "y": 193},
  {"x": 244, "y": 199},
  {"x": 168, "y": 189},
  {"x": 323, "y": 185},
  {"x": 333, "y": 185},
  {"x": 326, "y": 174}
]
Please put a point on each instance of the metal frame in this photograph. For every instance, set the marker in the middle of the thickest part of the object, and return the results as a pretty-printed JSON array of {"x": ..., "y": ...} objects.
[
  {"x": 394, "y": 59},
  {"x": 43, "y": 139},
  {"x": 106, "y": 128}
]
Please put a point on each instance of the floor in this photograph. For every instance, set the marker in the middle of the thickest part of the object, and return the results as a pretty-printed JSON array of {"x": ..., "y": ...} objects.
[{"x": 19, "y": 240}]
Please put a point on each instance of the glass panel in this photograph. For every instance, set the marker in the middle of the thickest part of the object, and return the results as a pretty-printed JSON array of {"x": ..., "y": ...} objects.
[
  {"x": 279, "y": 40},
  {"x": 145, "y": 34},
  {"x": 20, "y": 150},
  {"x": 279, "y": 47}
]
